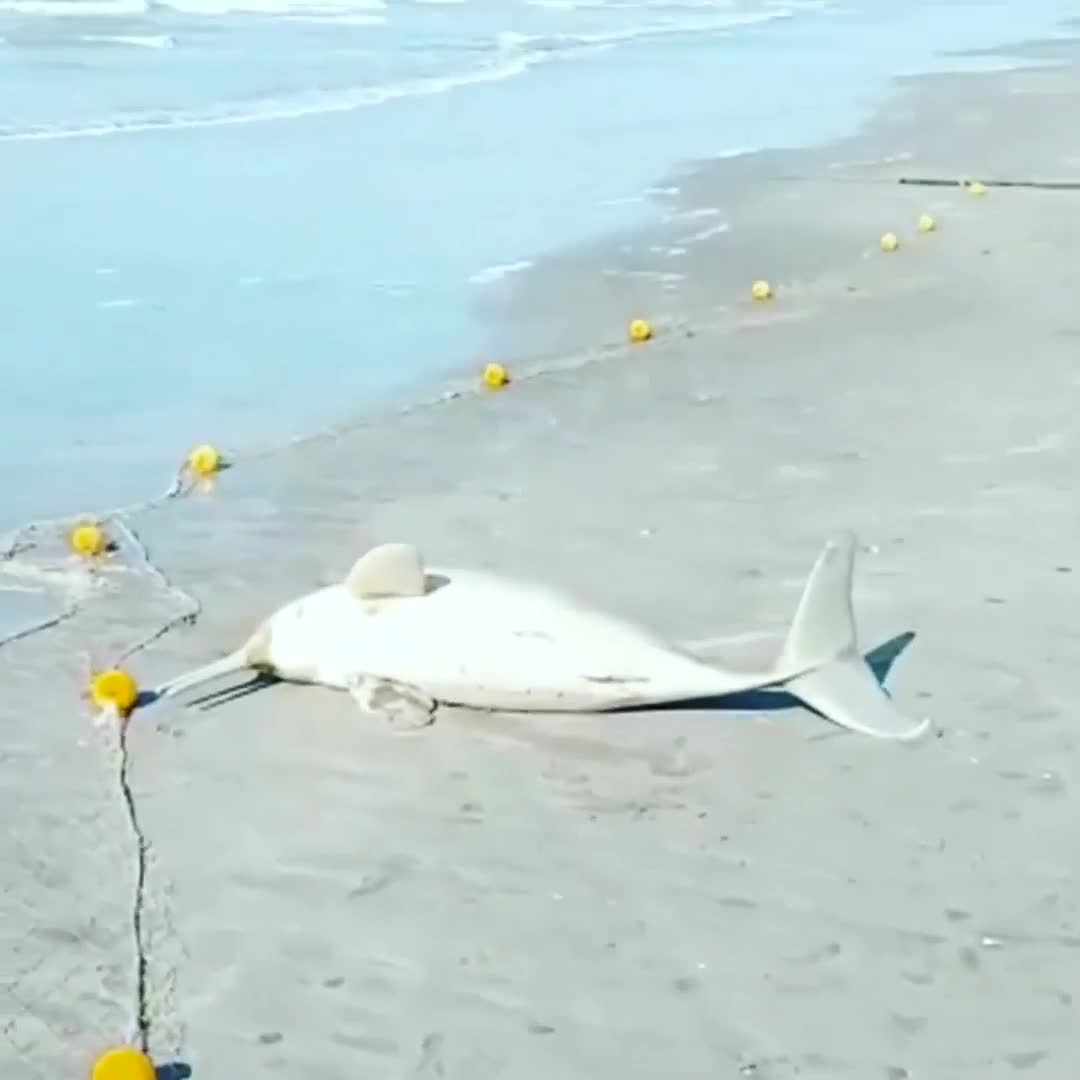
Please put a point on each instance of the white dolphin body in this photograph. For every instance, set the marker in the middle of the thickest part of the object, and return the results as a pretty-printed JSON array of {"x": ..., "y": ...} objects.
[{"x": 402, "y": 637}]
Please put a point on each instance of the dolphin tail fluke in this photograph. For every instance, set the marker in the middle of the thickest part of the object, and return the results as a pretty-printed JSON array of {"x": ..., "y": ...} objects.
[
  {"x": 835, "y": 680},
  {"x": 228, "y": 665},
  {"x": 846, "y": 692}
]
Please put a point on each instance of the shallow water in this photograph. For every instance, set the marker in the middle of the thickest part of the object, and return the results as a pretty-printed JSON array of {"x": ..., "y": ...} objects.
[{"x": 242, "y": 220}]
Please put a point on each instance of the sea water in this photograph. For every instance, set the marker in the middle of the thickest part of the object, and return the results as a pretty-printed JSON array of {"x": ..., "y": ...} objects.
[{"x": 239, "y": 220}]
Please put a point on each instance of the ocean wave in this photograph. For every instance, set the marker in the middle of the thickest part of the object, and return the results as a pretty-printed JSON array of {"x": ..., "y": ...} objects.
[
  {"x": 658, "y": 5},
  {"x": 566, "y": 42},
  {"x": 508, "y": 55},
  {"x": 62, "y": 9},
  {"x": 510, "y": 58},
  {"x": 717, "y": 20},
  {"x": 269, "y": 109}
]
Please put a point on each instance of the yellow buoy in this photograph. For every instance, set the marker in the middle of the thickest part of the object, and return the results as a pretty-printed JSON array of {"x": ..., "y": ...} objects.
[
  {"x": 114, "y": 689},
  {"x": 496, "y": 376},
  {"x": 890, "y": 242},
  {"x": 975, "y": 187},
  {"x": 640, "y": 330},
  {"x": 123, "y": 1063},
  {"x": 204, "y": 460},
  {"x": 761, "y": 290},
  {"x": 89, "y": 540},
  {"x": 926, "y": 223}
]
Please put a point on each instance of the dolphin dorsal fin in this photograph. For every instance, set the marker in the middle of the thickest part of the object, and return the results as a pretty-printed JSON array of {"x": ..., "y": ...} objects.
[{"x": 387, "y": 570}]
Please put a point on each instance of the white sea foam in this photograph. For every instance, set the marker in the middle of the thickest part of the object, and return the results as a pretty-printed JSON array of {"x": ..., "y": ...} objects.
[
  {"x": 63, "y": 576},
  {"x": 72, "y": 8},
  {"x": 275, "y": 7},
  {"x": 336, "y": 18},
  {"x": 714, "y": 22},
  {"x": 654, "y": 5},
  {"x": 860, "y": 163},
  {"x": 705, "y": 234},
  {"x": 497, "y": 273},
  {"x": 694, "y": 215},
  {"x": 660, "y": 276},
  {"x": 623, "y": 200},
  {"x": 139, "y": 41}
]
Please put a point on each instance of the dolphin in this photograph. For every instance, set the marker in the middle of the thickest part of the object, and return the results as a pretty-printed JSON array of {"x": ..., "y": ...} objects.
[{"x": 403, "y": 639}]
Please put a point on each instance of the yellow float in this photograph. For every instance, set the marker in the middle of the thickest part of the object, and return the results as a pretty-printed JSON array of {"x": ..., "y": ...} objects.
[
  {"x": 204, "y": 460},
  {"x": 123, "y": 1063},
  {"x": 114, "y": 689},
  {"x": 89, "y": 540},
  {"x": 496, "y": 376}
]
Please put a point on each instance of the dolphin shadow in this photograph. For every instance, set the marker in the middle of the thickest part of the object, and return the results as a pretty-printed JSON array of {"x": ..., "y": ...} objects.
[
  {"x": 879, "y": 660},
  {"x": 214, "y": 699},
  {"x": 173, "y": 1070}
]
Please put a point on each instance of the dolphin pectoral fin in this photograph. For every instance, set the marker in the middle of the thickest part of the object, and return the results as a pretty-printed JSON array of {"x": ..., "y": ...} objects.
[
  {"x": 387, "y": 570},
  {"x": 403, "y": 708}
]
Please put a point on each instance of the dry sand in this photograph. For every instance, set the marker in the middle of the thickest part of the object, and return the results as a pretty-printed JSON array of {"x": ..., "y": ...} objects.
[{"x": 681, "y": 894}]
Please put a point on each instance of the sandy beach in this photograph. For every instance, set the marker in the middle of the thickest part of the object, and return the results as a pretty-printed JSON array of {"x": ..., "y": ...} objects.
[{"x": 684, "y": 893}]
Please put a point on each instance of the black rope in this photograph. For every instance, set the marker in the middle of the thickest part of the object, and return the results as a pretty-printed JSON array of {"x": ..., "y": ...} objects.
[
  {"x": 1045, "y": 185},
  {"x": 142, "y": 1004}
]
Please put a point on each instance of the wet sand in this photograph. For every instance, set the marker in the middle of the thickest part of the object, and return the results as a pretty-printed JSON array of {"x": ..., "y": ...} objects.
[{"x": 690, "y": 893}]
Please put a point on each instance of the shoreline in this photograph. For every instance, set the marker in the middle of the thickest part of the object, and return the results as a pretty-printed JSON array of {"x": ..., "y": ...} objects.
[
  {"x": 925, "y": 398},
  {"x": 687, "y": 190},
  {"x": 412, "y": 392}
]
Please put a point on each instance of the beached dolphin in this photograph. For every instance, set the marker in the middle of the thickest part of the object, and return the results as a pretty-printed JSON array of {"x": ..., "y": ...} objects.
[{"x": 402, "y": 639}]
